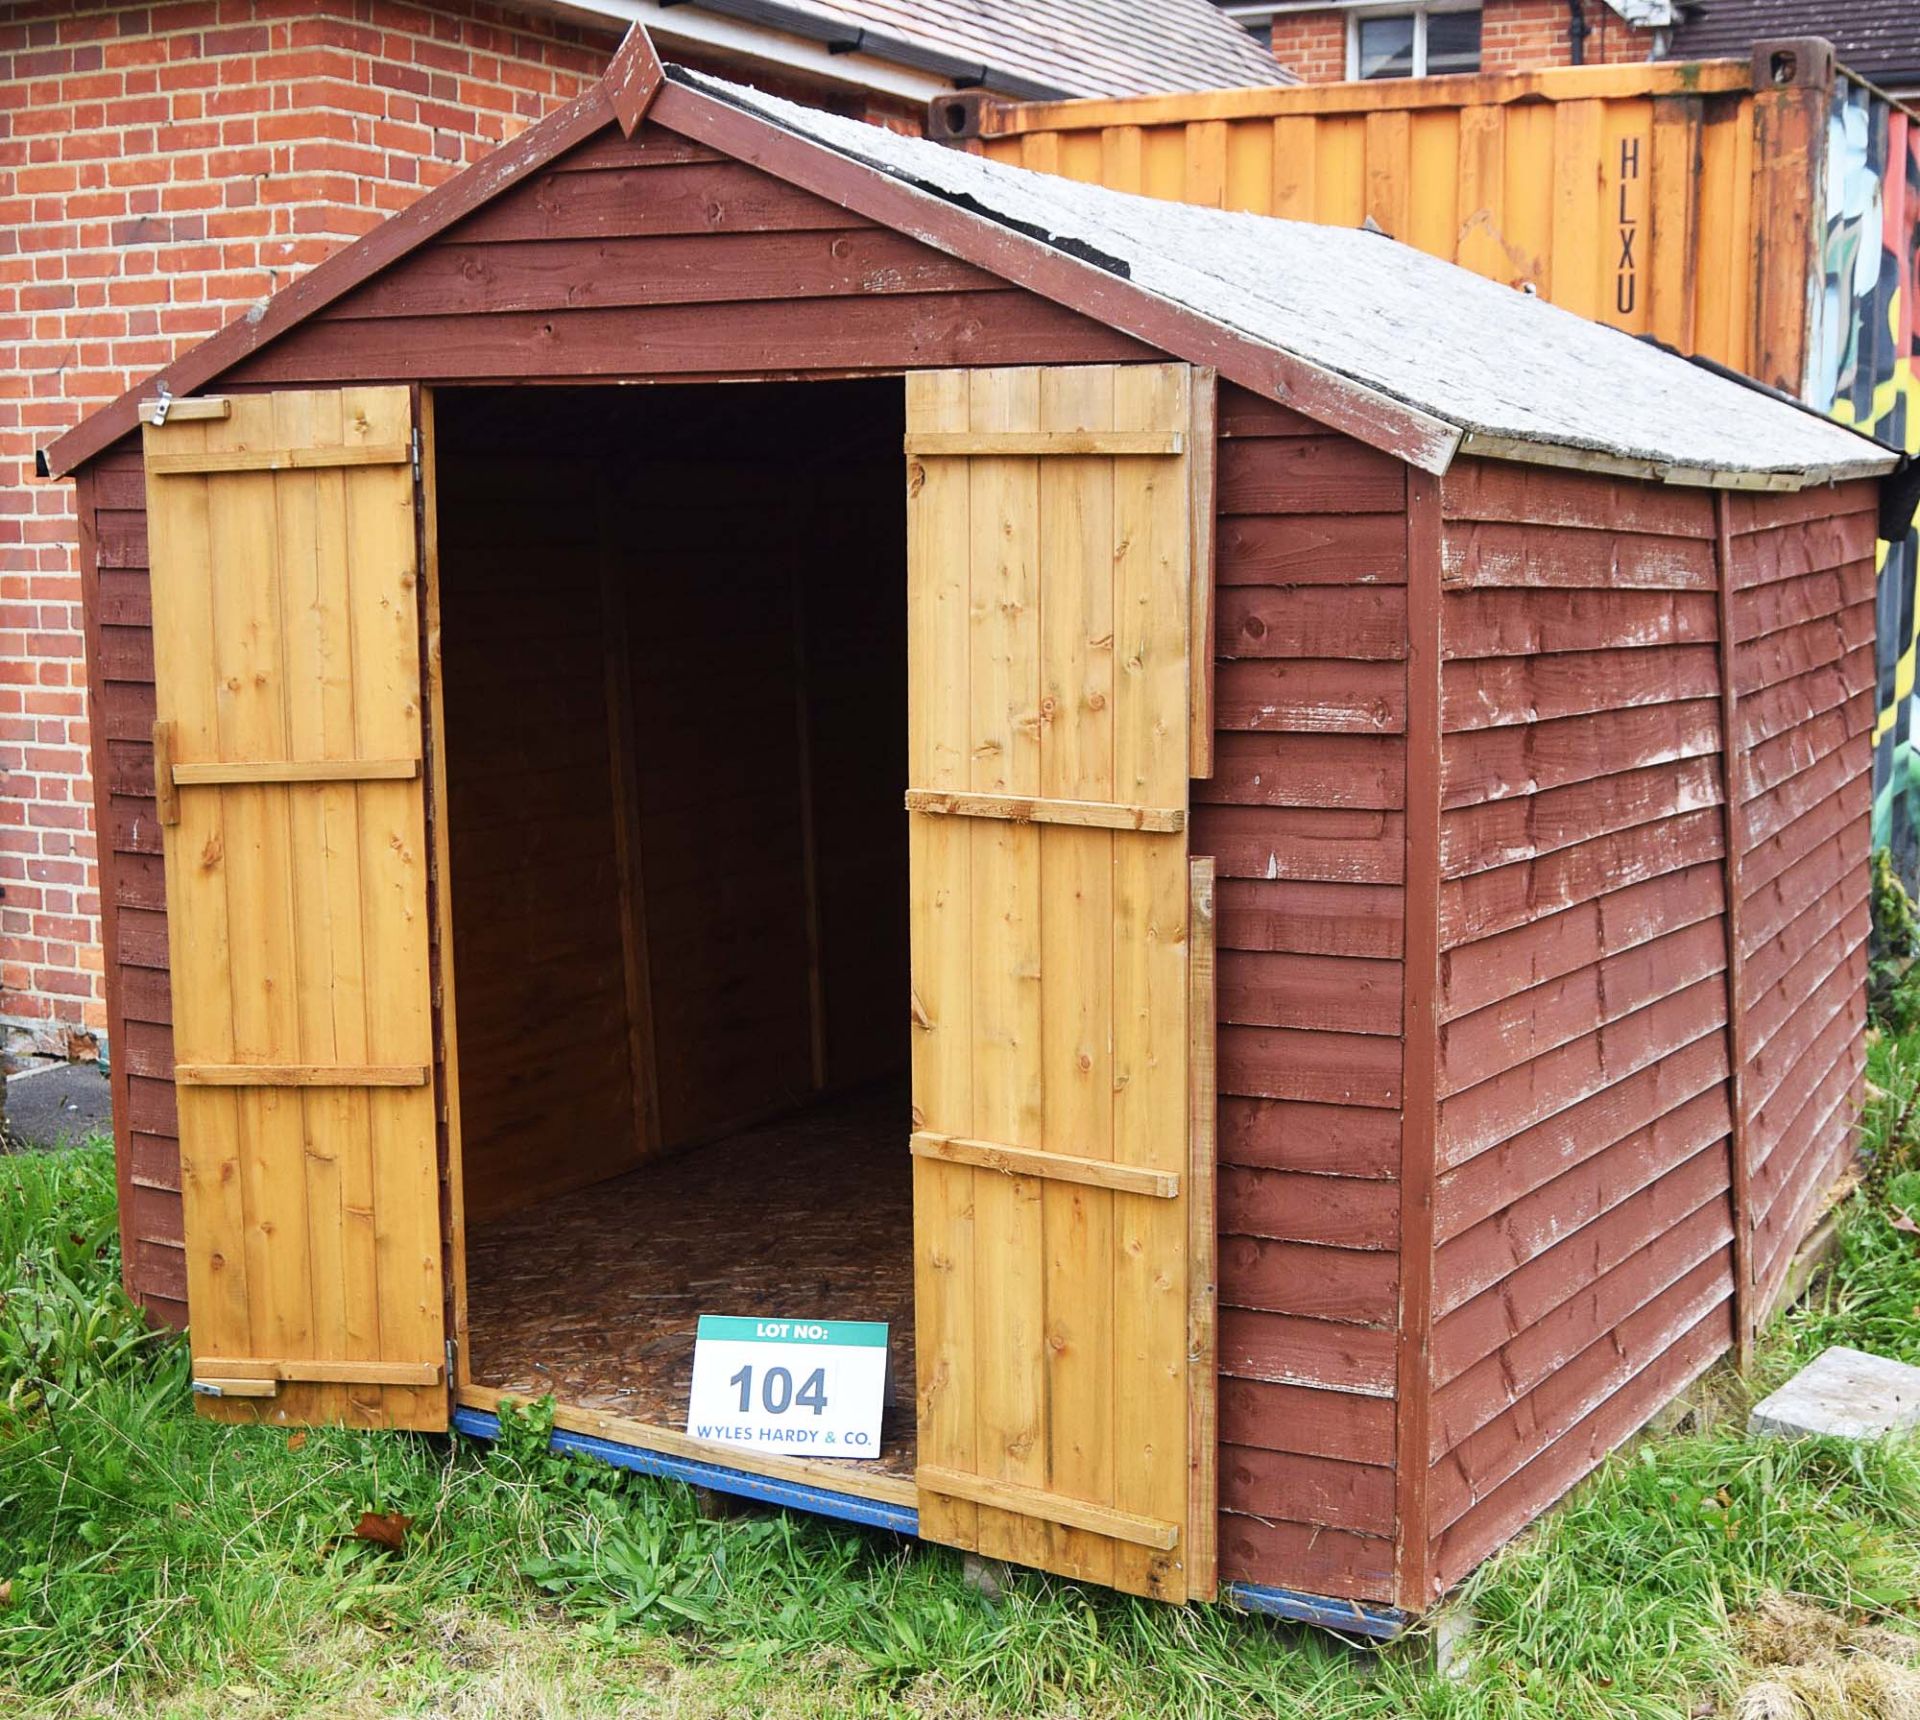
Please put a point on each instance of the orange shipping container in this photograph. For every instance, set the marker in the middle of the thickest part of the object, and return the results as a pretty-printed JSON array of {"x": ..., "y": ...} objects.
[{"x": 1673, "y": 199}]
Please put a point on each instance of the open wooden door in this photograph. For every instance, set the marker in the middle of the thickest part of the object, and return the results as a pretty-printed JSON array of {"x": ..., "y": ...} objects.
[
  {"x": 287, "y": 757},
  {"x": 1051, "y": 553}
]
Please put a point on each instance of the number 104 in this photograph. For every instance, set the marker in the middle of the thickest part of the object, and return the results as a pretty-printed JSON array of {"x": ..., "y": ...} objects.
[{"x": 776, "y": 1390}]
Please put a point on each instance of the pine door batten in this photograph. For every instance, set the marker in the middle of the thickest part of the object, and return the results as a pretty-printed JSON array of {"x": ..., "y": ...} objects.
[
  {"x": 293, "y": 813},
  {"x": 1051, "y": 566}
]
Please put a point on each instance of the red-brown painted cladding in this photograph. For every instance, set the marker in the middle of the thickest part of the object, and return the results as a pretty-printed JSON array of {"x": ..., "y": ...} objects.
[
  {"x": 1305, "y": 818},
  {"x": 1582, "y": 1268},
  {"x": 1802, "y": 601},
  {"x": 133, "y": 919},
  {"x": 1584, "y": 1222}
]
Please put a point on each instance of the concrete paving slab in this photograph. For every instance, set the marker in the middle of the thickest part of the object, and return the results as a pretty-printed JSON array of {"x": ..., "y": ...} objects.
[
  {"x": 1847, "y": 1394},
  {"x": 58, "y": 1105}
]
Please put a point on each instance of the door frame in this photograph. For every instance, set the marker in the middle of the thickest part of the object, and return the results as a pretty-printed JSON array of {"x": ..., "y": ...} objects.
[
  {"x": 885, "y": 1501},
  {"x": 888, "y": 1501}
]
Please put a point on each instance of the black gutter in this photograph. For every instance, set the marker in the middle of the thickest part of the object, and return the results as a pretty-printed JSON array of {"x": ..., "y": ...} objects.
[{"x": 839, "y": 37}]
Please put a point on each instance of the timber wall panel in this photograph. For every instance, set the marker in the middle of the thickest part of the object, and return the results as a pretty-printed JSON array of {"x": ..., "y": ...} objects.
[
  {"x": 1305, "y": 817},
  {"x": 768, "y": 656},
  {"x": 546, "y": 1099},
  {"x": 1802, "y": 585},
  {"x": 1583, "y": 1270},
  {"x": 133, "y": 895},
  {"x": 715, "y": 691}
]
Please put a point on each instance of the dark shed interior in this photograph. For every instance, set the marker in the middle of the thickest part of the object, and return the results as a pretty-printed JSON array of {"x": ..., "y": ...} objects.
[{"x": 674, "y": 663}]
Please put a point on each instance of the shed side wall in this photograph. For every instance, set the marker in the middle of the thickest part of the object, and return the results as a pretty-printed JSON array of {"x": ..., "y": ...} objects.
[
  {"x": 1582, "y": 1213},
  {"x": 133, "y": 897},
  {"x": 1802, "y": 578},
  {"x": 1305, "y": 816}
]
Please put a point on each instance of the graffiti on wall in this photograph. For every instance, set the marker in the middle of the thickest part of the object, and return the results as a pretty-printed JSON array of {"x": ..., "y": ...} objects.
[{"x": 1864, "y": 368}]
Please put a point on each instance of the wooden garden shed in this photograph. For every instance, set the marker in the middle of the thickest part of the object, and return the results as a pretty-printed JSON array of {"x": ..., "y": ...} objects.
[{"x": 512, "y": 648}]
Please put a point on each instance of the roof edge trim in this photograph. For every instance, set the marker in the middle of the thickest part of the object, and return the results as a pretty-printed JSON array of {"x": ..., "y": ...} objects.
[{"x": 1569, "y": 457}]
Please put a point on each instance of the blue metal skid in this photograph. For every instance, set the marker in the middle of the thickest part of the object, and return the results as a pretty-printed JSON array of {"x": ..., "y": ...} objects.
[{"x": 1380, "y": 1624}]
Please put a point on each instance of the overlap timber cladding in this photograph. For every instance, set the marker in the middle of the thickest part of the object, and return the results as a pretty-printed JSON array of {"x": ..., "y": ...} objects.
[
  {"x": 133, "y": 899},
  {"x": 1802, "y": 580},
  {"x": 1305, "y": 816},
  {"x": 1583, "y": 1268},
  {"x": 1584, "y": 1221}
]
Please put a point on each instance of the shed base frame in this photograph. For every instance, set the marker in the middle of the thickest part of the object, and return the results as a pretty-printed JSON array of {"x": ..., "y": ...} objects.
[
  {"x": 769, "y": 1489},
  {"x": 1350, "y": 1618}
]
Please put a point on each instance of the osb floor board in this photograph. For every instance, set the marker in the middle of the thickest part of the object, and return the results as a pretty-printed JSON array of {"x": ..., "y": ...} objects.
[{"x": 594, "y": 1296}]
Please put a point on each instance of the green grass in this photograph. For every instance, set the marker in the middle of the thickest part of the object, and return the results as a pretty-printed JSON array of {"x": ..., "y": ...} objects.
[{"x": 154, "y": 1563}]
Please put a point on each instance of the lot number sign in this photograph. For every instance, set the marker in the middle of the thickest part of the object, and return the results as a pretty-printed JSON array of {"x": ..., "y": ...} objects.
[{"x": 813, "y": 1388}]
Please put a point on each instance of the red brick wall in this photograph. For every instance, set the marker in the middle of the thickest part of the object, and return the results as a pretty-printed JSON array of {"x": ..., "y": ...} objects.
[
  {"x": 160, "y": 168},
  {"x": 1515, "y": 36},
  {"x": 1313, "y": 45},
  {"x": 1528, "y": 35}
]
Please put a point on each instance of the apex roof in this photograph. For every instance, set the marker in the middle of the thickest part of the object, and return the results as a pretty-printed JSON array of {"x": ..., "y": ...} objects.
[{"x": 1411, "y": 354}]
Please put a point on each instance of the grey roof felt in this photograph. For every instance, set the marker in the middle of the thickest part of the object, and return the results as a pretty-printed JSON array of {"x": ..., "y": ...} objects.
[
  {"x": 1086, "y": 47},
  {"x": 1481, "y": 356}
]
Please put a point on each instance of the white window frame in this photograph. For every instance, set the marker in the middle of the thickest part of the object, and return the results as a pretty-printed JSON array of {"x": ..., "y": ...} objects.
[{"x": 1420, "y": 14}]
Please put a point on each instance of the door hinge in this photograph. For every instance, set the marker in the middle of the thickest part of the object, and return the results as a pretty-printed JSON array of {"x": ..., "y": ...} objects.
[
  {"x": 416, "y": 453},
  {"x": 219, "y": 1388}
]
